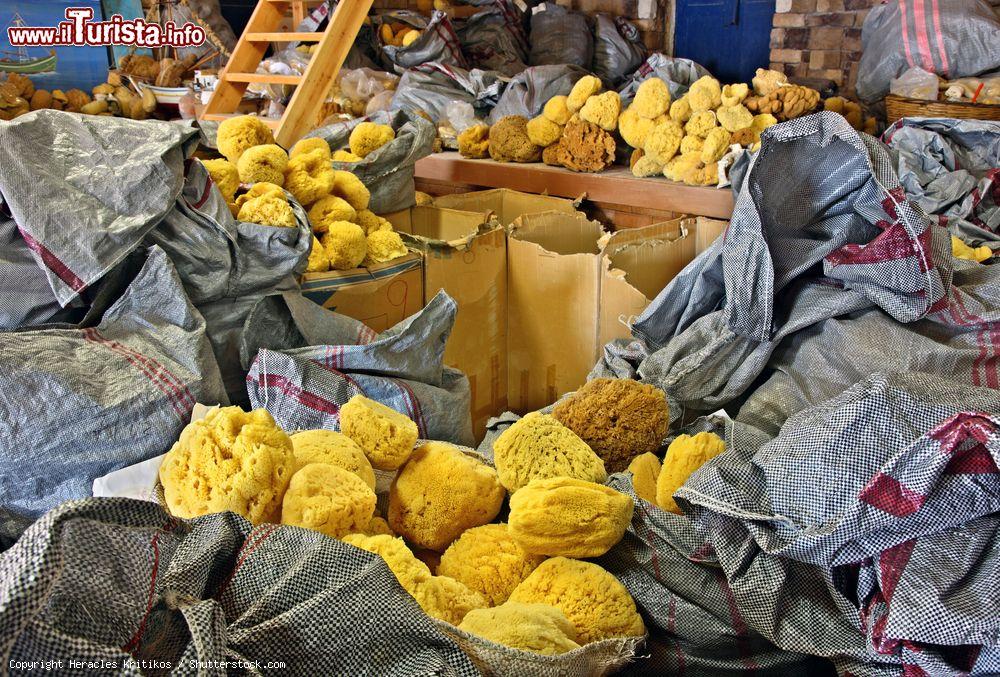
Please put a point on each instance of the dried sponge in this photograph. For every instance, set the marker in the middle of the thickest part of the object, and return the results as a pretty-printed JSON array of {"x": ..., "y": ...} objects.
[
  {"x": 319, "y": 262},
  {"x": 692, "y": 144},
  {"x": 330, "y": 209},
  {"x": 372, "y": 222},
  {"x": 225, "y": 176},
  {"x": 352, "y": 189},
  {"x": 645, "y": 470},
  {"x": 474, "y": 142},
  {"x": 684, "y": 455},
  {"x": 236, "y": 135},
  {"x": 734, "y": 118},
  {"x": 422, "y": 198},
  {"x": 386, "y": 436},
  {"x": 538, "y": 628},
  {"x": 488, "y": 560},
  {"x": 333, "y": 448},
  {"x": 662, "y": 143},
  {"x": 263, "y": 163},
  {"x": 652, "y": 98},
  {"x": 584, "y": 88},
  {"x": 268, "y": 210},
  {"x": 328, "y": 499},
  {"x": 617, "y": 418},
  {"x": 368, "y": 137},
  {"x": 585, "y": 147},
  {"x": 680, "y": 110},
  {"x": 384, "y": 245},
  {"x": 229, "y": 460},
  {"x": 310, "y": 145},
  {"x": 634, "y": 129},
  {"x": 733, "y": 95},
  {"x": 538, "y": 447},
  {"x": 542, "y": 131},
  {"x": 716, "y": 145},
  {"x": 309, "y": 177},
  {"x": 762, "y": 122},
  {"x": 346, "y": 245},
  {"x": 705, "y": 94},
  {"x": 603, "y": 110},
  {"x": 594, "y": 601},
  {"x": 555, "y": 110},
  {"x": 440, "y": 493},
  {"x": 646, "y": 166},
  {"x": 377, "y": 526},
  {"x": 960, "y": 250},
  {"x": 345, "y": 156},
  {"x": 566, "y": 517},
  {"x": 701, "y": 123},
  {"x": 509, "y": 141}
]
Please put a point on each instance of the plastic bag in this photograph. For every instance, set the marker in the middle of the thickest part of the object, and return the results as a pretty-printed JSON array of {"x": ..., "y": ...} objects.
[
  {"x": 432, "y": 86},
  {"x": 527, "y": 93},
  {"x": 364, "y": 83},
  {"x": 460, "y": 115},
  {"x": 915, "y": 83}
]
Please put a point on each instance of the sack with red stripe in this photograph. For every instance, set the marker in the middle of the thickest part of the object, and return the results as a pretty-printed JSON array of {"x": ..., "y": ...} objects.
[
  {"x": 437, "y": 43},
  {"x": 953, "y": 38},
  {"x": 79, "y": 402},
  {"x": 494, "y": 39},
  {"x": 327, "y": 359}
]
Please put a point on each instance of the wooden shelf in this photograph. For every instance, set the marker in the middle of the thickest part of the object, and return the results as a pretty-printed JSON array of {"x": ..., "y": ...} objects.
[{"x": 614, "y": 186}]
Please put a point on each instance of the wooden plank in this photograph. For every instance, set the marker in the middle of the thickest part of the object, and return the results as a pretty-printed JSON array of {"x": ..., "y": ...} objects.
[
  {"x": 266, "y": 78},
  {"x": 615, "y": 186},
  {"x": 302, "y": 110},
  {"x": 284, "y": 37}
]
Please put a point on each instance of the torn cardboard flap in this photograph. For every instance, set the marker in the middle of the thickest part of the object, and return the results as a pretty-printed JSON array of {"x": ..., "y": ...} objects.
[{"x": 503, "y": 204}]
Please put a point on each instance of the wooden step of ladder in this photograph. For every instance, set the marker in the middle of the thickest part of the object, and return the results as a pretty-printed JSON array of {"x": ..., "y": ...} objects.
[{"x": 302, "y": 112}]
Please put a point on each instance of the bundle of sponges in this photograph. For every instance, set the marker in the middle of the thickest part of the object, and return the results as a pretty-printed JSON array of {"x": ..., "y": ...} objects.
[
  {"x": 786, "y": 102},
  {"x": 851, "y": 110},
  {"x": 657, "y": 483},
  {"x": 398, "y": 34},
  {"x": 576, "y": 130}
]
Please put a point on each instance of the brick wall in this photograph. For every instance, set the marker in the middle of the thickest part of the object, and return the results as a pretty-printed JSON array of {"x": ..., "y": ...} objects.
[{"x": 819, "y": 39}]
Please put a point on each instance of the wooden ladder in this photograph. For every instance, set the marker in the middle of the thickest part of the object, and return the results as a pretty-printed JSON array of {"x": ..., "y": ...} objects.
[{"x": 302, "y": 112}]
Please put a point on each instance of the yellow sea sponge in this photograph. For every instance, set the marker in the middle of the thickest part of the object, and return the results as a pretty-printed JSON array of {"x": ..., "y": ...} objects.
[
  {"x": 716, "y": 145},
  {"x": 440, "y": 493},
  {"x": 488, "y": 560},
  {"x": 225, "y": 176},
  {"x": 448, "y": 600},
  {"x": 236, "y": 135},
  {"x": 328, "y": 499},
  {"x": 259, "y": 190},
  {"x": 345, "y": 156},
  {"x": 646, "y": 167},
  {"x": 330, "y": 209},
  {"x": 602, "y": 110},
  {"x": 319, "y": 262},
  {"x": 734, "y": 118},
  {"x": 562, "y": 516},
  {"x": 309, "y": 146},
  {"x": 542, "y": 131},
  {"x": 689, "y": 169},
  {"x": 652, "y": 98},
  {"x": 662, "y": 143},
  {"x": 684, "y": 455},
  {"x": 422, "y": 198},
  {"x": 705, "y": 94},
  {"x": 692, "y": 144},
  {"x": 538, "y": 628},
  {"x": 733, "y": 95},
  {"x": 309, "y": 176},
  {"x": 594, "y": 601},
  {"x": 383, "y": 246},
  {"x": 378, "y": 527},
  {"x": 352, "y": 189},
  {"x": 509, "y": 141},
  {"x": 538, "y": 446},
  {"x": 960, "y": 250},
  {"x": 634, "y": 129},
  {"x": 263, "y": 163},
  {"x": 555, "y": 110},
  {"x": 645, "y": 470},
  {"x": 701, "y": 123},
  {"x": 762, "y": 122},
  {"x": 368, "y": 137},
  {"x": 346, "y": 245},
  {"x": 385, "y": 435},
  {"x": 585, "y": 87},
  {"x": 328, "y": 446},
  {"x": 229, "y": 460},
  {"x": 268, "y": 210},
  {"x": 474, "y": 142},
  {"x": 372, "y": 222},
  {"x": 680, "y": 110},
  {"x": 407, "y": 569}
]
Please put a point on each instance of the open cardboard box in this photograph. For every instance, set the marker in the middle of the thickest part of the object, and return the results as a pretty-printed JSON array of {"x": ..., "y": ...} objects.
[{"x": 504, "y": 204}]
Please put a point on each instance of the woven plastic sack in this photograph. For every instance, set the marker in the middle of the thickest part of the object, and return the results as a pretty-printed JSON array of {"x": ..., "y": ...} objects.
[
  {"x": 560, "y": 37},
  {"x": 527, "y": 93},
  {"x": 79, "y": 402},
  {"x": 953, "y": 38},
  {"x": 388, "y": 171},
  {"x": 438, "y": 42},
  {"x": 618, "y": 49},
  {"x": 431, "y": 87},
  {"x": 678, "y": 73},
  {"x": 951, "y": 168},
  {"x": 494, "y": 39},
  {"x": 308, "y": 365}
]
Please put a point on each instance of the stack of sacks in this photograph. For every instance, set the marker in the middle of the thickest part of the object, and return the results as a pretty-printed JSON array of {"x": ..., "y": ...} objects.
[{"x": 346, "y": 233}]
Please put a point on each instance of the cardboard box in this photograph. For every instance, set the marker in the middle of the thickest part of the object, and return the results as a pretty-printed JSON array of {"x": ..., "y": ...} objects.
[
  {"x": 707, "y": 231},
  {"x": 505, "y": 204},
  {"x": 380, "y": 296},
  {"x": 465, "y": 254},
  {"x": 572, "y": 288}
]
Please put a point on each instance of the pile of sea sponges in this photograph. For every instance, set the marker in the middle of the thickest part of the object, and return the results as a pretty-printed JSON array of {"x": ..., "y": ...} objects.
[{"x": 346, "y": 233}]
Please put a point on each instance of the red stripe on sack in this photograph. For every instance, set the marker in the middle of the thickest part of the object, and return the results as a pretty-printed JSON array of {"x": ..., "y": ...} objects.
[
  {"x": 913, "y": 670},
  {"x": 881, "y": 643},
  {"x": 303, "y": 397},
  {"x": 52, "y": 262},
  {"x": 204, "y": 193},
  {"x": 418, "y": 411},
  {"x": 923, "y": 43},
  {"x": 246, "y": 551},
  {"x": 991, "y": 362},
  {"x": 892, "y": 244},
  {"x": 961, "y": 427},
  {"x": 890, "y": 495},
  {"x": 654, "y": 556},
  {"x": 739, "y": 626},
  {"x": 671, "y": 623},
  {"x": 891, "y": 564},
  {"x": 906, "y": 33},
  {"x": 156, "y": 371},
  {"x": 939, "y": 35},
  {"x": 133, "y": 643},
  {"x": 975, "y": 460},
  {"x": 984, "y": 339}
]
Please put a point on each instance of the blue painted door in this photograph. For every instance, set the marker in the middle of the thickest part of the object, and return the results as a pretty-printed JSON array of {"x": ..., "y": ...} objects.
[{"x": 731, "y": 38}]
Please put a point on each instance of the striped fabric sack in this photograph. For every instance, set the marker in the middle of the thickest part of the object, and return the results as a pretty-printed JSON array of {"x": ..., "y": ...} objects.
[
  {"x": 403, "y": 368},
  {"x": 854, "y": 516},
  {"x": 953, "y": 38},
  {"x": 494, "y": 39},
  {"x": 438, "y": 41}
]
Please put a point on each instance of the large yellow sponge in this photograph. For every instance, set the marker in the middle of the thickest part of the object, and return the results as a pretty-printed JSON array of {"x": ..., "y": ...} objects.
[
  {"x": 538, "y": 446},
  {"x": 328, "y": 446},
  {"x": 538, "y": 628},
  {"x": 328, "y": 499},
  {"x": 386, "y": 436},
  {"x": 488, "y": 560},
  {"x": 684, "y": 455}
]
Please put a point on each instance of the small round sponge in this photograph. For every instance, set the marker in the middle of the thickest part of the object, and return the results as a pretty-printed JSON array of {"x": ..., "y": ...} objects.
[
  {"x": 345, "y": 244},
  {"x": 618, "y": 418},
  {"x": 368, "y": 137},
  {"x": 236, "y": 135},
  {"x": 268, "y": 210},
  {"x": 584, "y": 88},
  {"x": 594, "y": 601},
  {"x": 328, "y": 499},
  {"x": 328, "y": 210},
  {"x": 488, "y": 560},
  {"x": 684, "y": 455},
  {"x": 555, "y": 110},
  {"x": 542, "y": 131},
  {"x": 440, "y": 493},
  {"x": 561, "y": 516},
  {"x": 224, "y": 175},
  {"x": 652, "y": 98},
  {"x": 384, "y": 245},
  {"x": 333, "y": 448},
  {"x": 263, "y": 163},
  {"x": 309, "y": 146},
  {"x": 539, "y": 446},
  {"x": 309, "y": 177},
  {"x": 538, "y": 628},
  {"x": 386, "y": 436}
]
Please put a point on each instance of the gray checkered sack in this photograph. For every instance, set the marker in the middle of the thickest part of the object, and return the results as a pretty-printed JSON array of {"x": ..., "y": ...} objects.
[
  {"x": 430, "y": 87},
  {"x": 321, "y": 360},
  {"x": 527, "y": 92},
  {"x": 853, "y": 516},
  {"x": 388, "y": 171},
  {"x": 438, "y": 42},
  {"x": 678, "y": 73},
  {"x": 79, "y": 402}
]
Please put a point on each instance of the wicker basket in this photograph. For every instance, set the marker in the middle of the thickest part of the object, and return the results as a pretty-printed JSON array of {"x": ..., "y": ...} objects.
[{"x": 897, "y": 107}]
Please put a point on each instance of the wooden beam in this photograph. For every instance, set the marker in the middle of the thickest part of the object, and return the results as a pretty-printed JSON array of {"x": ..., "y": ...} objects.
[
  {"x": 266, "y": 78},
  {"x": 284, "y": 37}
]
